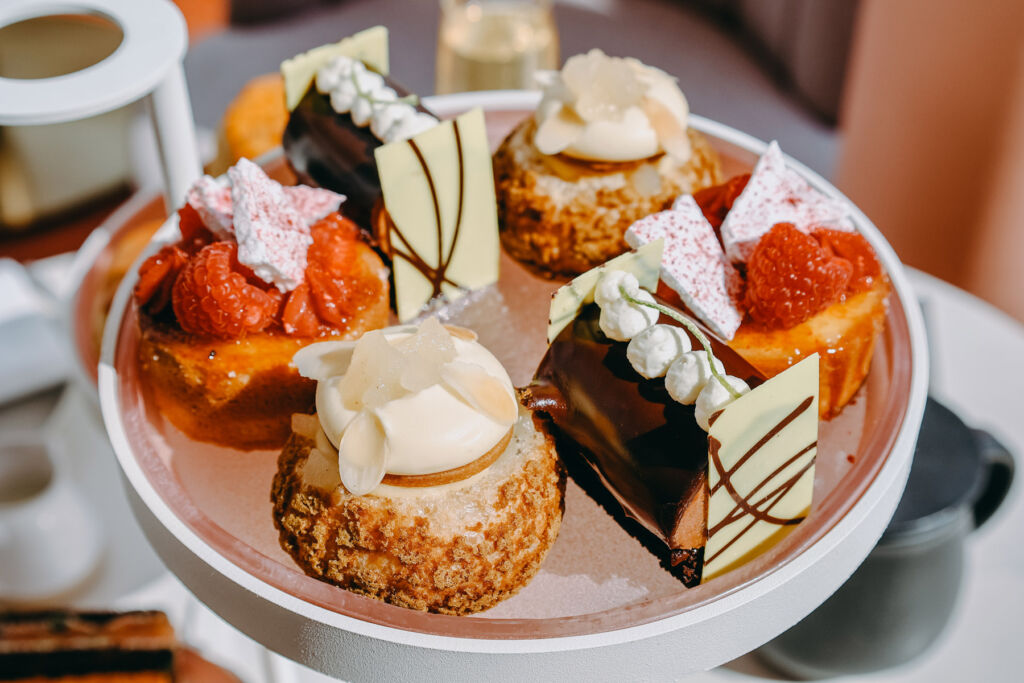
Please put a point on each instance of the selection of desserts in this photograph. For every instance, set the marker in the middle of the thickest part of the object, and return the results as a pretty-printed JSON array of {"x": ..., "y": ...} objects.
[
  {"x": 260, "y": 271},
  {"x": 420, "y": 480},
  {"x": 692, "y": 443},
  {"x": 117, "y": 647},
  {"x": 774, "y": 267},
  {"x": 688, "y": 375},
  {"x": 608, "y": 144},
  {"x": 423, "y": 188}
]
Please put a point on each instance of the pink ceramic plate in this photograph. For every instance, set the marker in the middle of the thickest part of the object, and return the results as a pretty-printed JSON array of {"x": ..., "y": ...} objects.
[{"x": 207, "y": 509}]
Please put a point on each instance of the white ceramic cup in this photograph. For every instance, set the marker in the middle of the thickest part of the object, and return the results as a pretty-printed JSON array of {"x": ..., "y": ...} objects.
[{"x": 50, "y": 538}]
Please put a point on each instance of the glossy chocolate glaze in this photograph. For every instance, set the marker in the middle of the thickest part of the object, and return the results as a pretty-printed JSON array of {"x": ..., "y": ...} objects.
[
  {"x": 325, "y": 149},
  {"x": 645, "y": 448}
]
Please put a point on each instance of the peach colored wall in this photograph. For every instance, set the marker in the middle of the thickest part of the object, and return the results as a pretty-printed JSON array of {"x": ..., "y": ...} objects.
[{"x": 933, "y": 137}]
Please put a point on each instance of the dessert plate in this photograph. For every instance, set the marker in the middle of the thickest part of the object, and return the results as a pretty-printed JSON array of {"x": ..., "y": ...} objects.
[{"x": 601, "y": 604}]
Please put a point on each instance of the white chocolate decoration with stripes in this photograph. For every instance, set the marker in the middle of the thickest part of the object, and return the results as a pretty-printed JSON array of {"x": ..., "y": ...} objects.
[
  {"x": 761, "y": 453},
  {"x": 439, "y": 193}
]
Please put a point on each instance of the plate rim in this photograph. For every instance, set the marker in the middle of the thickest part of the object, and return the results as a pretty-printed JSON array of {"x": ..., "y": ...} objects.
[{"x": 892, "y": 472}]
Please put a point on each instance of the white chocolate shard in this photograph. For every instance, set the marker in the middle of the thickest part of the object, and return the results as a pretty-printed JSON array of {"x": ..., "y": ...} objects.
[
  {"x": 761, "y": 454},
  {"x": 443, "y": 175}
]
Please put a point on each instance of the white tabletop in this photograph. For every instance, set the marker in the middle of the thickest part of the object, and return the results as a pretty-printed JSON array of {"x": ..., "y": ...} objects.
[{"x": 978, "y": 354}]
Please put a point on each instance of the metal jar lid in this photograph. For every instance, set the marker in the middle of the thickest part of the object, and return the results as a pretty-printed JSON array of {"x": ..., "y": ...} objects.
[{"x": 946, "y": 474}]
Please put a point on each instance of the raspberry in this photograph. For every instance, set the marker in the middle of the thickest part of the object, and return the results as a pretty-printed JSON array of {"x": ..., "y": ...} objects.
[
  {"x": 157, "y": 276},
  {"x": 194, "y": 235},
  {"x": 854, "y": 248},
  {"x": 298, "y": 318},
  {"x": 716, "y": 201},
  {"x": 212, "y": 296},
  {"x": 790, "y": 277},
  {"x": 338, "y": 279}
]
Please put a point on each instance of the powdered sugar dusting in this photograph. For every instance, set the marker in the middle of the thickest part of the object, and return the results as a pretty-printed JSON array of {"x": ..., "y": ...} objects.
[
  {"x": 693, "y": 264},
  {"x": 272, "y": 236},
  {"x": 211, "y": 198},
  {"x": 777, "y": 194},
  {"x": 313, "y": 203}
]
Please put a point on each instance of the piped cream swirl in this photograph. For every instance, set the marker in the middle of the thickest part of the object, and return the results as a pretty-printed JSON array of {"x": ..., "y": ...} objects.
[
  {"x": 605, "y": 108},
  {"x": 408, "y": 401},
  {"x": 355, "y": 90}
]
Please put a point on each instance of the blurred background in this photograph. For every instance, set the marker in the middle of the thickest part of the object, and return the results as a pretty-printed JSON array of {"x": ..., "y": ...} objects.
[{"x": 914, "y": 108}]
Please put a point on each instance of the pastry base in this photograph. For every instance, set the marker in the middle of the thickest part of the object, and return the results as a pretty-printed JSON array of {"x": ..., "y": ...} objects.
[
  {"x": 564, "y": 216},
  {"x": 453, "y": 549}
]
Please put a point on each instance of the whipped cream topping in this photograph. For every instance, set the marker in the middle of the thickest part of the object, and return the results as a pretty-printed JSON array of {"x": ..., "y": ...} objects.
[
  {"x": 408, "y": 400},
  {"x": 628, "y": 314},
  {"x": 355, "y": 90},
  {"x": 603, "y": 108}
]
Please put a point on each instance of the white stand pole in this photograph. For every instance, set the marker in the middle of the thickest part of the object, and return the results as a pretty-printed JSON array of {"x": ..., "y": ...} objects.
[{"x": 171, "y": 112}]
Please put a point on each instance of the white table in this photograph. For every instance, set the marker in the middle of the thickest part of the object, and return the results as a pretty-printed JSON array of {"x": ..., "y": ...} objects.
[{"x": 978, "y": 368}]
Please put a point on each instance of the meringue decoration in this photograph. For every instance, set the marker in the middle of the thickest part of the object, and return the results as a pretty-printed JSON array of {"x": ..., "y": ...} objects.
[
  {"x": 774, "y": 194},
  {"x": 693, "y": 264}
]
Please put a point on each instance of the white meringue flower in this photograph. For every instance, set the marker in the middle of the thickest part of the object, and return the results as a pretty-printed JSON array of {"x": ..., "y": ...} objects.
[
  {"x": 688, "y": 375},
  {"x": 714, "y": 396},
  {"x": 652, "y": 351},
  {"x": 622, "y": 320}
]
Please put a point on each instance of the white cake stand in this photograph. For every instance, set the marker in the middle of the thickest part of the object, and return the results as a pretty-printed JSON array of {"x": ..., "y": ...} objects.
[
  {"x": 146, "y": 65},
  {"x": 695, "y": 639}
]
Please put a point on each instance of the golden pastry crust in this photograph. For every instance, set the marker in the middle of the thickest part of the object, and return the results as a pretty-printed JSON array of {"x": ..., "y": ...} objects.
[
  {"x": 239, "y": 393},
  {"x": 453, "y": 549},
  {"x": 565, "y": 216},
  {"x": 843, "y": 335}
]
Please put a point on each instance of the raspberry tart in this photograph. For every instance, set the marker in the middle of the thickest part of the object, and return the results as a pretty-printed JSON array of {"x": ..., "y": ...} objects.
[
  {"x": 260, "y": 271},
  {"x": 776, "y": 270}
]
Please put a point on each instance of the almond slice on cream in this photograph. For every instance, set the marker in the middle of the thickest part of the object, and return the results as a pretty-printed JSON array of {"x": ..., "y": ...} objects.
[
  {"x": 324, "y": 360},
  {"x": 362, "y": 454},
  {"x": 558, "y": 131},
  {"x": 480, "y": 390}
]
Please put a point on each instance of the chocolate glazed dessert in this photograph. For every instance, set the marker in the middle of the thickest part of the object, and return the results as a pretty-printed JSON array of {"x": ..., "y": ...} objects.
[
  {"x": 646, "y": 449},
  {"x": 326, "y": 149}
]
